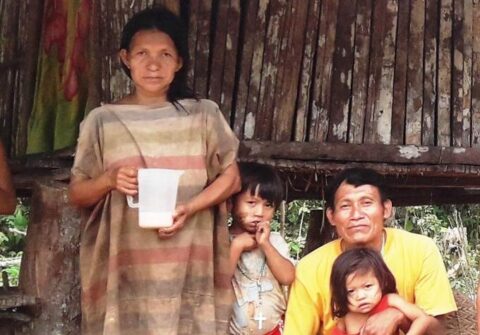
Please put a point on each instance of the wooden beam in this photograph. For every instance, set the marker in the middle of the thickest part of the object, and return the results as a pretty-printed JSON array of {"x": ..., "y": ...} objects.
[{"x": 378, "y": 153}]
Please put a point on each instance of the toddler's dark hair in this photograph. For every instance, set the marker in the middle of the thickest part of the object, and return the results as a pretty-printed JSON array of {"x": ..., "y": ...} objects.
[{"x": 359, "y": 261}]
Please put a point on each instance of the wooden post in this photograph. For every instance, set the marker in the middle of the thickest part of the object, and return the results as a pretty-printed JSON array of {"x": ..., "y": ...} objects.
[
  {"x": 50, "y": 263},
  {"x": 319, "y": 232}
]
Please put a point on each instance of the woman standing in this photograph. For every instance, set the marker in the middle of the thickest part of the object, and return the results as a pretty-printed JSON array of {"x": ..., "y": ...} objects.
[{"x": 170, "y": 280}]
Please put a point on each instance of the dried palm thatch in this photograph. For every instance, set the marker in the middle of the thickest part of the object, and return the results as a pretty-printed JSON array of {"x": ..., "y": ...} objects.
[{"x": 463, "y": 322}]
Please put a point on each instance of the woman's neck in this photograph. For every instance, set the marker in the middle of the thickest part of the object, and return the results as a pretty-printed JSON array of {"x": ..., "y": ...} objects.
[{"x": 142, "y": 99}]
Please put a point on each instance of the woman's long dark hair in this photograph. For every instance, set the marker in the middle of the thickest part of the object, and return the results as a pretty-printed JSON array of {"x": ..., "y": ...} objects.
[
  {"x": 161, "y": 19},
  {"x": 361, "y": 261}
]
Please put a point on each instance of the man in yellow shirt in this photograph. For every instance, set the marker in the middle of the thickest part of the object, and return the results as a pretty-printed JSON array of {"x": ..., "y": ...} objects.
[{"x": 357, "y": 206}]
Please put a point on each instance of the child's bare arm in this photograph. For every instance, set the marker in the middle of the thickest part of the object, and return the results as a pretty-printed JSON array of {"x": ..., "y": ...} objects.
[
  {"x": 282, "y": 269},
  {"x": 240, "y": 243},
  {"x": 421, "y": 322}
]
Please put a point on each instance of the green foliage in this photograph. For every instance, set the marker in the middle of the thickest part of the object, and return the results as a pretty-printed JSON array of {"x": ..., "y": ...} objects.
[
  {"x": 13, "y": 229},
  {"x": 297, "y": 218}
]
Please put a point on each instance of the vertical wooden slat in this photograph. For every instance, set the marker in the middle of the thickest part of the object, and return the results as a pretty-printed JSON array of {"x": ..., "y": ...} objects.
[
  {"x": 342, "y": 72},
  {"x": 231, "y": 51},
  {"x": 360, "y": 71},
  {"x": 430, "y": 78},
  {"x": 399, "y": 106},
  {"x": 202, "y": 50},
  {"x": 9, "y": 12},
  {"x": 380, "y": 87},
  {"x": 193, "y": 9},
  {"x": 30, "y": 19},
  {"x": 256, "y": 71},
  {"x": 323, "y": 71},
  {"x": 218, "y": 52},
  {"x": 476, "y": 76},
  {"x": 413, "y": 127},
  {"x": 457, "y": 74},
  {"x": 286, "y": 95},
  {"x": 251, "y": 29},
  {"x": 266, "y": 99},
  {"x": 173, "y": 5},
  {"x": 467, "y": 72},
  {"x": 305, "y": 85},
  {"x": 444, "y": 74}
]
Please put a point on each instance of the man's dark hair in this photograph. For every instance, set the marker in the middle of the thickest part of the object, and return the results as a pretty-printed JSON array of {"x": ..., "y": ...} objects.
[
  {"x": 359, "y": 261},
  {"x": 161, "y": 19},
  {"x": 356, "y": 177},
  {"x": 262, "y": 177}
]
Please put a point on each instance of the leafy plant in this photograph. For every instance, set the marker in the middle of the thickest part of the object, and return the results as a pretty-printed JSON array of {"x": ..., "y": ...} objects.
[{"x": 12, "y": 239}]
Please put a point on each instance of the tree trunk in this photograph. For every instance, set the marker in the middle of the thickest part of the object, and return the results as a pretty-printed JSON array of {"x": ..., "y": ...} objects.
[{"x": 50, "y": 264}]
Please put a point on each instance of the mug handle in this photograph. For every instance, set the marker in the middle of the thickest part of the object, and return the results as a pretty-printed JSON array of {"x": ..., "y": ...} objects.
[{"x": 131, "y": 203}]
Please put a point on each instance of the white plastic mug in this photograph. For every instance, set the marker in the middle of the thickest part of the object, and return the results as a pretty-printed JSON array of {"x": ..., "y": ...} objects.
[{"x": 157, "y": 197}]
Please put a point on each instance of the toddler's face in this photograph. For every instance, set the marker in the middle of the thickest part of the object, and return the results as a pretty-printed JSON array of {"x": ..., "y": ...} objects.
[
  {"x": 249, "y": 210},
  {"x": 364, "y": 292}
]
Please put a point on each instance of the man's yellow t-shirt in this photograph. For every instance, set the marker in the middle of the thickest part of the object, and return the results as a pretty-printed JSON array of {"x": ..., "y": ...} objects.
[{"x": 413, "y": 259}]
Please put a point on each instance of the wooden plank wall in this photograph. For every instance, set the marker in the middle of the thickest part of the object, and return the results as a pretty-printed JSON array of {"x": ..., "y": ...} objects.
[
  {"x": 395, "y": 72},
  {"x": 344, "y": 71}
]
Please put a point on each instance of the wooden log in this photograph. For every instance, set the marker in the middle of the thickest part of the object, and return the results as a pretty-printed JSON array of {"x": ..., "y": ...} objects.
[
  {"x": 339, "y": 110},
  {"x": 271, "y": 58},
  {"x": 379, "y": 153},
  {"x": 50, "y": 269},
  {"x": 399, "y": 104},
  {"x": 306, "y": 80},
  {"x": 444, "y": 74},
  {"x": 323, "y": 71},
  {"x": 430, "y": 71},
  {"x": 413, "y": 121},
  {"x": 253, "y": 104},
  {"x": 360, "y": 71},
  {"x": 476, "y": 77},
  {"x": 251, "y": 18},
  {"x": 457, "y": 73},
  {"x": 287, "y": 85}
]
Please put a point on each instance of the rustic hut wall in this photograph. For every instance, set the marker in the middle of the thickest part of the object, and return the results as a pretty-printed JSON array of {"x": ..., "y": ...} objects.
[
  {"x": 374, "y": 71},
  {"x": 378, "y": 71},
  {"x": 19, "y": 36}
]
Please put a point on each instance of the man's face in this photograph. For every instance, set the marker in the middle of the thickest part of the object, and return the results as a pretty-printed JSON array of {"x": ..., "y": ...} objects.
[{"x": 358, "y": 215}]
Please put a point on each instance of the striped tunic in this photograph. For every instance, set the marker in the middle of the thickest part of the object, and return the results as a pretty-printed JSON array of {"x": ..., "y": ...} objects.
[{"x": 132, "y": 281}]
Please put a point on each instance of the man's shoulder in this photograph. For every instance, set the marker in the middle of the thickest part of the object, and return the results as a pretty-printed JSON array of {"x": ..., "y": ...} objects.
[
  {"x": 322, "y": 257},
  {"x": 410, "y": 241}
]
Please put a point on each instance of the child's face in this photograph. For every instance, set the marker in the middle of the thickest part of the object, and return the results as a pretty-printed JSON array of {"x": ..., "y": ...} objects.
[
  {"x": 364, "y": 292},
  {"x": 153, "y": 61},
  {"x": 249, "y": 210}
]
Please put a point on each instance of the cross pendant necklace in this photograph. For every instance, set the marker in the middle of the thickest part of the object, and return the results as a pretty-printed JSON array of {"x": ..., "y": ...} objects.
[
  {"x": 259, "y": 317},
  {"x": 258, "y": 310}
]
